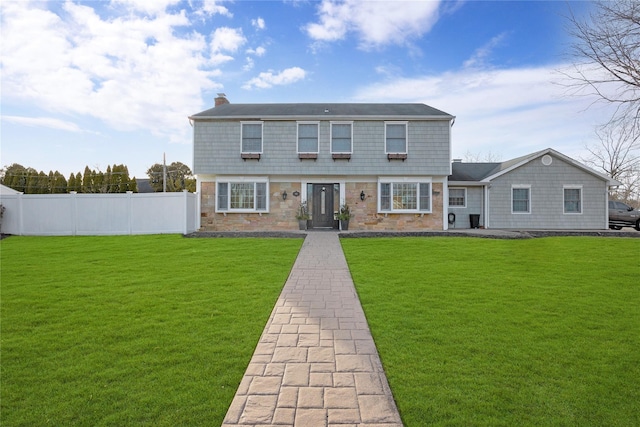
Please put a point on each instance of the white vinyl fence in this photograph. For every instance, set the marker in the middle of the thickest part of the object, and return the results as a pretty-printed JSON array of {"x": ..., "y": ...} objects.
[{"x": 99, "y": 214}]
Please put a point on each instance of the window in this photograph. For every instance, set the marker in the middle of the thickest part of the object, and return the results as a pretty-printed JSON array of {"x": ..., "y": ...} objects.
[
  {"x": 520, "y": 199},
  {"x": 242, "y": 197},
  {"x": 395, "y": 138},
  {"x": 341, "y": 137},
  {"x": 307, "y": 137},
  {"x": 405, "y": 197},
  {"x": 572, "y": 200},
  {"x": 251, "y": 137},
  {"x": 457, "y": 197}
]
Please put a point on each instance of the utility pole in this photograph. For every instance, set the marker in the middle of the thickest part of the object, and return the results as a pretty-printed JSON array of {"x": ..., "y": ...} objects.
[{"x": 164, "y": 172}]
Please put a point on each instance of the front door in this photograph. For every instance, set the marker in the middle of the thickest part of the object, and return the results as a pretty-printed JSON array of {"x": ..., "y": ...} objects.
[{"x": 322, "y": 206}]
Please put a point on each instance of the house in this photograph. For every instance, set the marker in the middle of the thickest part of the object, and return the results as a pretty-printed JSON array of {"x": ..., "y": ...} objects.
[
  {"x": 543, "y": 190},
  {"x": 256, "y": 163}
]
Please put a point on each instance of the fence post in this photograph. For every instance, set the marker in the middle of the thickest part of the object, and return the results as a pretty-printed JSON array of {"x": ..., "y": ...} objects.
[
  {"x": 74, "y": 209},
  {"x": 20, "y": 218},
  {"x": 130, "y": 211}
]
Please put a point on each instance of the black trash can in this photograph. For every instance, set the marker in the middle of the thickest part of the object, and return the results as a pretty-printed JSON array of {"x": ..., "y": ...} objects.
[{"x": 474, "y": 220}]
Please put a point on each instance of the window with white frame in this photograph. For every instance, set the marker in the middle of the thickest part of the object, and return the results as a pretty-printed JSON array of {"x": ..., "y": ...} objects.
[
  {"x": 457, "y": 197},
  {"x": 307, "y": 137},
  {"x": 572, "y": 199},
  {"x": 251, "y": 137},
  {"x": 521, "y": 199},
  {"x": 404, "y": 197},
  {"x": 243, "y": 196},
  {"x": 395, "y": 138},
  {"x": 341, "y": 137}
]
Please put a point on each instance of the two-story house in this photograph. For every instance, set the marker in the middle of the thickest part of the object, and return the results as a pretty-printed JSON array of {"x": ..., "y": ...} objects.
[{"x": 256, "y": 164}]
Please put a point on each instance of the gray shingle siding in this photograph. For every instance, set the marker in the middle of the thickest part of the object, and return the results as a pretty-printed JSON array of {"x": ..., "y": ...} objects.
[
  {"x": 474, "y": 206},
  {"x": 217, "y": 150},
  {"x": 547, "y": 197}
]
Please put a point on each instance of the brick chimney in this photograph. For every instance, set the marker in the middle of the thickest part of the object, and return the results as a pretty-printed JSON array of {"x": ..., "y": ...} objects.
[{"x": 221, "y": 99}]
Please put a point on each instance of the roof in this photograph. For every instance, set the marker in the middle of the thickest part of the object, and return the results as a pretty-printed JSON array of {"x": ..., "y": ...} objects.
[
  {"x": 326, "y": 110},
  {"x": 485, "y": 172},
  {"x": 7, "y": 190},
  {"x": 471, "y": 171}
]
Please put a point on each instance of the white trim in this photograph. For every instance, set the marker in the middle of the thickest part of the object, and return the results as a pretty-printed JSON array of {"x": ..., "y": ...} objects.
[
  {"x": 298, "y": 136},
  {"x": 255, "y": 122},
  {"x": 406, "y": 180},
  {"x": 572, "y": 187},
  {"x": 521, "y": 186},
  {"x": 242, "y": 180},
  {"x": 406, "y": 137},
  {"x": 350, "y": 123}
]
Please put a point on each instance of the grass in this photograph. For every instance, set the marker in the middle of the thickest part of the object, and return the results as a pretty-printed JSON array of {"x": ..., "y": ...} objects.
[
  {"x": 540, "y": 332},
  {"x": 132, "y": 330}
]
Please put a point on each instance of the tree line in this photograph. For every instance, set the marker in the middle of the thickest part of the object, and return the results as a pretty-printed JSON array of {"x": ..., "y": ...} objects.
[
  {"x": 30, "y": 181},
  {"x": 115, "y": 179}
]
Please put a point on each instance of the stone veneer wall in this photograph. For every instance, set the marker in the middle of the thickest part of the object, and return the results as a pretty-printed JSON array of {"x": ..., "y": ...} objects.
[
  {"x": 282, "y": 213},
  {"x": 281, "y": 216},
  {"x": 365, "y": 214}
]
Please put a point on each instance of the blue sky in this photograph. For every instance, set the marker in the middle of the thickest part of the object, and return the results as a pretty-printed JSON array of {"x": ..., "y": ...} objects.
[{"x": 108, "y": 82}]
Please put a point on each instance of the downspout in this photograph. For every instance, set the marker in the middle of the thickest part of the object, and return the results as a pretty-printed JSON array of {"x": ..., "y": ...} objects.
[
  {"x": 486, "y": 205},
  {"x": 445, "y": 204}
]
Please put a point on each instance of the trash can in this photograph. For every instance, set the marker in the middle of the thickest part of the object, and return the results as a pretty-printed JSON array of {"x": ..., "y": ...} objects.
[{"x": 474, "y": 220}]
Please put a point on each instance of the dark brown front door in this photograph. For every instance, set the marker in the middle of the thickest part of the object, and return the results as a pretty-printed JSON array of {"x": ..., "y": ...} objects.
[{"x": 322, "y": 210}]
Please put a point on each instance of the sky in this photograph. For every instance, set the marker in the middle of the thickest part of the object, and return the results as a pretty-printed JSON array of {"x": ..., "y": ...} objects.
[{"x": 99, "y": 83}]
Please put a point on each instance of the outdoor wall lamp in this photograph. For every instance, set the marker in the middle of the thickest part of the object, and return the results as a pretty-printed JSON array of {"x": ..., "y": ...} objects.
[
  {"x": 284, "y": 195},
  {"x": 362, "y": 195}
]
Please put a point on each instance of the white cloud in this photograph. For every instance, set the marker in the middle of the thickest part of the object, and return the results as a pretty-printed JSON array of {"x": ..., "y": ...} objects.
[
  {"x": 151, "y": 7},
  {"x": 132, "y": 72},
  {"x": 227, "y": 39},
  {"x": 213, "y": 7},
  {"x": 259, "y": 51},
  {"x": 510, "y": 112},
  {"x": 269, "y": 79},
  {"x": 480, "y": 57},
  {"x": 376, "y": 23},
  {"x": 258, "y": 24},
  {"x": 47, "y": 122}
]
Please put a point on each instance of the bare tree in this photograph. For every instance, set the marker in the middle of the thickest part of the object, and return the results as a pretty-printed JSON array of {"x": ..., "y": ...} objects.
[
  {"x": 606, "y": 57},
  {"x": 618, "y": 155},
  {"x": 480, "y": 157},
  {"x": 606, "y": 66}
]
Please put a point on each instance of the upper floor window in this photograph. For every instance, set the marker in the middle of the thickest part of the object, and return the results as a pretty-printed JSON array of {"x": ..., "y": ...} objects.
[
  {"x": 251, "y": 137},
  {"x": 341, "y": 137},
  {"x": 572, "y": 199},
  {"x": 457, "y": 197},
  {"x": 521, "y": 199},
  {"x": 242, "y": 196},
  {"x": 405, "y": 197},
  {"x": 307, "y": 137},
  {"x": 395, "y": 138}
]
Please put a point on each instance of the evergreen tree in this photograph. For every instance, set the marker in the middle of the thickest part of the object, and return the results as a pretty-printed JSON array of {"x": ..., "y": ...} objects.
[
  {"x": 71, "y": 182},
  {"x": 78, "y": 186},
  {"x": 87, "y": 180},
  {"x": 59, "y": 183},
  {"x": 133, "y": 185}
]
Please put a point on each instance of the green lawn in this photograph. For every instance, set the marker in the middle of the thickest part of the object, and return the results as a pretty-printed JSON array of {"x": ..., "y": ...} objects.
[
  {"x": 540, "y": 332},
  {"x": 132, "y": 330}
]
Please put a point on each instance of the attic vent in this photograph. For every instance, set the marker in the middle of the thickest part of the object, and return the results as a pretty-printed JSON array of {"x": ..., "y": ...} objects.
[{"x": 547, "y": 159}]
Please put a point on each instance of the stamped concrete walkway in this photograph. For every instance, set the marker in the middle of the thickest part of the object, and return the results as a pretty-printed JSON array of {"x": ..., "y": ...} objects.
[{"x": 316, "y": 364}]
